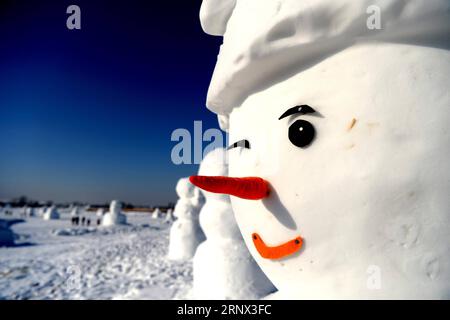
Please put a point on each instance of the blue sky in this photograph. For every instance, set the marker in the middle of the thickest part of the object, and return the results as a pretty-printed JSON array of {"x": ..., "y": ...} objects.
[{"x": 86, "y": 115}]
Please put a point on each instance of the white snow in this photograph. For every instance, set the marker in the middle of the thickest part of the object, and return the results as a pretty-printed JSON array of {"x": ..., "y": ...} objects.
[
  {"x": 51, "y": 214},
  {"x": 223, "y": 266},
  {"x": 51, "y": 260},
  {"x": 114, "y": 216},
  {"x": 186, "y": 234},
  {"x": 30, "y": 212},
  {"x": 214, "y": 15}
]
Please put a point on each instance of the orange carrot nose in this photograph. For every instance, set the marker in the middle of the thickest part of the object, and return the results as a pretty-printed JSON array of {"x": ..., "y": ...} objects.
[{"x": 251, "y": 188}]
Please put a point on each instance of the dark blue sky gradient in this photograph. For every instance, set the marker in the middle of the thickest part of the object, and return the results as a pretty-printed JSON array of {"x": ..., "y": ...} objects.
[{"x": 87, "y": 115}]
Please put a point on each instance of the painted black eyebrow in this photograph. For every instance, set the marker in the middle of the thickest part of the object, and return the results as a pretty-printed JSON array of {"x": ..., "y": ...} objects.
[
  {"x": 241, "y": 143},
  {"x": 303, "y": 109}
]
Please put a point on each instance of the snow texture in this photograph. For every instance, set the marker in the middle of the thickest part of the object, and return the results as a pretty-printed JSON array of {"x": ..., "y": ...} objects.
[
  {"x": 156, "y": 213},
  {"x": 169, "y": 216},
  {"x": 51, "y": 260}
]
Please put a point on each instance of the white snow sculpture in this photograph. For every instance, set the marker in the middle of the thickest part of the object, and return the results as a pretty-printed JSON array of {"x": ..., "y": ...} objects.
[
  {"x": 185, "y": 233},
  {"x": 223, "y": 266},
  {"x": 347, "y": 126},
  {"x": 114, "y": 216},
  {"x": 156, "y": 213},
  {"x": 169, "y": 215},
  {"x": 51, "y": 214},
  {"x": 75, "y": 212}
]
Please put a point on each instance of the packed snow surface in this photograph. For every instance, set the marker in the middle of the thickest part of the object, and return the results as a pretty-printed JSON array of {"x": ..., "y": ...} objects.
[{"x": 52, "y": 260}]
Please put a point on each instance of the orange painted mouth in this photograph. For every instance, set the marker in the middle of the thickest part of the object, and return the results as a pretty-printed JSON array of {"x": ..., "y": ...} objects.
[{"x": 277, "y": 252}]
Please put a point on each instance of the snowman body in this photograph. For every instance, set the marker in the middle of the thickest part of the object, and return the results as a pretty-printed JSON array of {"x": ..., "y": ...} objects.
[
  {"x": 51, "y": 214},
  {"x": 114, "y": 216},
  {"x": 169, "y": 216},
  {"x": 156, "y": 213},
  {"x": 185, "y": 233},
  {"x": 75, "y": 212},
  {"x": 223, "y": 266}
]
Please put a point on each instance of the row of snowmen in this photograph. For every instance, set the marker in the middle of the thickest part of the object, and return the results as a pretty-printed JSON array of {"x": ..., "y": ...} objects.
[
  {"x": 206, "y": 231},
  {"x": 113, "y": 217},
  {"x": 24, "y": 212},
  {"x": 47, "y": 213}
]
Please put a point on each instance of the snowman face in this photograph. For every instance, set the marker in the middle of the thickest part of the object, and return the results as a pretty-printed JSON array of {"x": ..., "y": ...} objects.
[{"x": 355, "y": 152}]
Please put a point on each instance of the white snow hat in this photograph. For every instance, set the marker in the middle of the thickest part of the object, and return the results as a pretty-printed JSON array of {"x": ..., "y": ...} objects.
[{"x": 266, "y": 41}]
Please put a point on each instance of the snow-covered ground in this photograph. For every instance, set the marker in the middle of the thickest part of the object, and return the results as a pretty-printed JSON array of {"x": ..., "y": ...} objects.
[{"x": 53, "y": 260}]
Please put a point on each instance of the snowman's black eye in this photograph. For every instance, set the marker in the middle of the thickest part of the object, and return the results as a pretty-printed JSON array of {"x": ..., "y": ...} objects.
[
  {"x": 241, "y": 143},
  {"x": 301, "y": 133}
]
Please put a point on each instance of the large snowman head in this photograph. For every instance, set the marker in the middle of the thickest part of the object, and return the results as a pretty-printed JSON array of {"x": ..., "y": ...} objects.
[{"x": 348, "y": 130}]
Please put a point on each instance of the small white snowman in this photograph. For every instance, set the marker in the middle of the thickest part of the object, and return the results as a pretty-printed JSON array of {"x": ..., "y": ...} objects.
[
  {"x": 30, "y": 212},
  {"x": 156, "y": 213},
  {"x": 41, "y": 211},
  {"x": 340, "y": 142},
  {"x": 75, "y": 212},
  {"x": 100, "y": 212},
  {"x": 185, "y": 233},
  {"x": 114, "y": 216},
  {"x": 51, "y": 213},
  {"x": 223, "y": 266},
  {"x": 169, "y": 215}
]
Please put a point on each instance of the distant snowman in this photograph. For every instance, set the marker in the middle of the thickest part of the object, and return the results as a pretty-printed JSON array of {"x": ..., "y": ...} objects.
[
  {"x": 30, "y": 212},
  {"x": 223, "y": 266},
  {"x": 156, "y": 213},
  {"x": 7, "y": 236},
  {"x": 75, "y": 212},
  {"x": 114, "y": 216},
  {"x": 169, "y": 215},
  {"x": 51, "y": 214},
  {"x": 41, "y": 211},
  {"x": 185, "y": 233}
]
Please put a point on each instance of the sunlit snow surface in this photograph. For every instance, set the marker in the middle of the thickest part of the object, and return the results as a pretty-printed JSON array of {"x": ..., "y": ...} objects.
[{"x": 53, "y": 260}]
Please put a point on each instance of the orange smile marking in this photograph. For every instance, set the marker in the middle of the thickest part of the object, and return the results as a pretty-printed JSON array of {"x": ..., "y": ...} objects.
[{"x": 277, "y": 252}]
